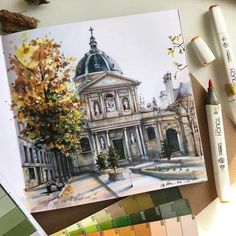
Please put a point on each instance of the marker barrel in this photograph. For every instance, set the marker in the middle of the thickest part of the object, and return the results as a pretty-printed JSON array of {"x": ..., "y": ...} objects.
[
  {"x": 218, "y": 151},
  {"x": 224, "y": 43},
  {"x": 228, "y": 58},
  {"x": 230, "y": 65}
]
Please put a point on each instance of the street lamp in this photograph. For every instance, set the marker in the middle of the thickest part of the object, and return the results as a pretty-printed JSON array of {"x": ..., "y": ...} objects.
[
  {"x": 130, "y": 177},
  {"x": 131, "y": 161}
]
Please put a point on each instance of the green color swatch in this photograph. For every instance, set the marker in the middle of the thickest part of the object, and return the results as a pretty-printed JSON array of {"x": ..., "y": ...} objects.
[
  {"x": 130, "y": 210},
  {"x": 106, "y": 225},
  {"x": 183, "y": 207},
  {"x": 152, "y": 213},
  {"x": 12, "y": 220},
  {"x": 24, "y": 228},
  {"x": 121, "y": 221},
  {"x": 136, "y": 218}
]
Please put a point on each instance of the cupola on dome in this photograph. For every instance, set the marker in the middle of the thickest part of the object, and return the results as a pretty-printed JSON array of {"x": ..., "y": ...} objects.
[{"x": 96, "y": 61}]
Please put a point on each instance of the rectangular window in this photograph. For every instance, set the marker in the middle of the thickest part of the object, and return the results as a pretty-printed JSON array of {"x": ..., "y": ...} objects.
[
  {"x": 48, "y": 159},
  {"x": 31, "y": 155},
  {"x": 25, "y": 153},
  {"x": 195, "y": 127},
  {"x": 45, "y": 157},
  {"x": 51, "y": 174},
  {"x": 151, "y": 133},
  {"x": 37, "y": 155},
  {"x": 85, "y": 145},
  {"x": 46, "y": 175},
  {"x": 41, "y": 156},
  {"x": 31, "y": 173}
]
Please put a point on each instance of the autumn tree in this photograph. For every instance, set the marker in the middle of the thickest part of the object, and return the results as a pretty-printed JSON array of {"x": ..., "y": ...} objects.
[
  {"x": 44, "y": 98},
  {"x": 176, "y": 48}
]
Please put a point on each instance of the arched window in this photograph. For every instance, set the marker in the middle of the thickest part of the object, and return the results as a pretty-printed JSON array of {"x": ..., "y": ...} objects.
[
  {"x": 172, "y": 138},
  {"x": 85, "y": 145},
  {"x": 110, "y": 102},
  {"x": 151, "y": 133}
]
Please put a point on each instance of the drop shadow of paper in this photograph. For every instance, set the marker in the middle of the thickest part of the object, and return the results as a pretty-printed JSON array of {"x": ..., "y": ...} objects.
[
  {"x": 55, "y": 220},
  {"x": 202, "y": 194}
]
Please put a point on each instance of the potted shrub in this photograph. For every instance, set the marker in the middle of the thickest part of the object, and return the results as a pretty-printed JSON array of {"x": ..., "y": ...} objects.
[
  {"x": 166, "y": 151},
  {"x": 112, "y": 162},
  {"x": 101, "y": 161}
]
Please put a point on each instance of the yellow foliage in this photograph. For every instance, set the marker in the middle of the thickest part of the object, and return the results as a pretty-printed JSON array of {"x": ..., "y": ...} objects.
[
  {"x": 68, "y": 191},
  {"x": 171, "y": 52},
  {"x": 43, "y": 95}
]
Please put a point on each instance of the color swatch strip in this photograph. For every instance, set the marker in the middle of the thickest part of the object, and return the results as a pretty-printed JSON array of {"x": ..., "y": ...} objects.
[
  {"x": 168, "y": 210},
  {"x": 177, "y": 226},
  {"x": 103, "y": 219},
  {"x": 12, "y": 220}
]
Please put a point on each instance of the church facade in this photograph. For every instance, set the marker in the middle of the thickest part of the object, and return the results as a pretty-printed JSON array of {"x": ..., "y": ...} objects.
[{"x": 114, "y": 115}]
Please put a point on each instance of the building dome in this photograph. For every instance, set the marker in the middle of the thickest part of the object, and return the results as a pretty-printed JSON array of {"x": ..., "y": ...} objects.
[{"x": 95, "y": 61}]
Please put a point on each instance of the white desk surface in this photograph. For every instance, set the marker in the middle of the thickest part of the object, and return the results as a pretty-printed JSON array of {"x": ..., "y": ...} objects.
[{"x": 216, "y": 218}]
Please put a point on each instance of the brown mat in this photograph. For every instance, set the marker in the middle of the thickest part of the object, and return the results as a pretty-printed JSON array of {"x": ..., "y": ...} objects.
[{"x": 199, "y": 195}]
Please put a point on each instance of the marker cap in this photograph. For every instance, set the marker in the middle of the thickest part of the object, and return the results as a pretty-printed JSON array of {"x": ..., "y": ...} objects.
[
  {"x": 202, "y": 51},
  {"x": 218, "y": 19}
]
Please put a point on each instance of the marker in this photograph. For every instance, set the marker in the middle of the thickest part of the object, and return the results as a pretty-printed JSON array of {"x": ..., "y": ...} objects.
[
  {"x": 218, "y": 147},
  {"x": 228, "y": 57}
]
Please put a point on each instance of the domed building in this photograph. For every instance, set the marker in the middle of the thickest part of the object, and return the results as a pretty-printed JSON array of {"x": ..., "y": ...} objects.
[
  {"x": 114, "y": 116},
  {"x": 95, "y": 61}
]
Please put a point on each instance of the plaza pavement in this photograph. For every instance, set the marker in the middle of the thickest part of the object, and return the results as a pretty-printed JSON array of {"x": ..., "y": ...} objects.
[{"x": 90, "y": 187}]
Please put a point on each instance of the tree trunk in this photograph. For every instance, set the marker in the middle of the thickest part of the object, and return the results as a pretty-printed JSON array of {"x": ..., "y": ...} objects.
[
  {"x": 114, "y": 170},
  {"x": 67, "y": 167},
  {"x": 194, "y": 144},
  {"x": 193, "y": 137},
  {"x": 58, "y": 164}
]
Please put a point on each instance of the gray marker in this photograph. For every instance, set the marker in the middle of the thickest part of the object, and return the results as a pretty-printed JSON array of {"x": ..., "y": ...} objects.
[{"x": 218, "y": 147}]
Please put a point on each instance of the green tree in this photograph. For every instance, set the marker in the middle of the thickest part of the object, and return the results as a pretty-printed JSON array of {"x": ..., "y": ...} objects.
[
  {"x": 166, "y": 151},
  {"x": 101, "y": 160},
  {"x": 44, "y": 98},
  {"x": 113, "y": 158}
]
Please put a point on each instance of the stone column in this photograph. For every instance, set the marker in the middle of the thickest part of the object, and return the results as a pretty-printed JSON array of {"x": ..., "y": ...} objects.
[
  {"x": 134, "y": 100},
  {"x": 142, "y": 141},
  {"x": 159, "y": 130},
  {"x": 118, "y": 102},
  {"x": 127, "y": 143},
  {"x": 136, "y": 97},
  {"x": 88, "y": 108},
  {"x": 139, "y": 141},
  {"x": 94, "y": 145},
  {"x": 108, "y": 139},
  {"x": 131, "y": 101},
  {"x": 180, "y": 140},
  {"x": 97, "y": 143},
  {"x": 103, "y": 109}
]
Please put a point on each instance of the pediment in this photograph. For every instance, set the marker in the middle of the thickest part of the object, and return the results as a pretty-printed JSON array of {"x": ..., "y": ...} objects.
[{"x": 109, "y": 80}]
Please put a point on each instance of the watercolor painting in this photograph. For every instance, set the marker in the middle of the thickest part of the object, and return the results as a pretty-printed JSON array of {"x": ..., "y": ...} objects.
[{"x": 103, "y": 109}]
